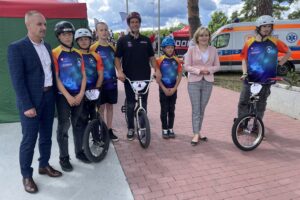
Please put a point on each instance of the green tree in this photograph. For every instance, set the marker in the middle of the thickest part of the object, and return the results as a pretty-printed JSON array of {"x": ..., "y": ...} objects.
[
  {"x": 234, "y": 16},
  {"x": 218, "y": 19},
  {"x": 278, "y": 9},
  {"x": 294, "y": 15},
  {"x": 248, "y": 12},
  {"x": 255, "y": 8}
]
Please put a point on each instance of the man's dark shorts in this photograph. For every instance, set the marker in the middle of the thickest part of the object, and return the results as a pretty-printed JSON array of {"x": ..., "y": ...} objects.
[{"x": 108, "y": 96}]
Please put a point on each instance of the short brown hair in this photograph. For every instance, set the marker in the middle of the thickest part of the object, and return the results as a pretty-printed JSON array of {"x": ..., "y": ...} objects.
[{"x": 199, "y": 32}]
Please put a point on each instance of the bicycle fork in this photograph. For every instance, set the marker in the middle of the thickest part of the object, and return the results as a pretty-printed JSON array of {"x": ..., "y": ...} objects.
[{"x": 137, "y": 109}]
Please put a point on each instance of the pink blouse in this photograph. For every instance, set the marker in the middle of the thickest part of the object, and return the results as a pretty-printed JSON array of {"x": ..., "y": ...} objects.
[{"x": 193, "y": 64}]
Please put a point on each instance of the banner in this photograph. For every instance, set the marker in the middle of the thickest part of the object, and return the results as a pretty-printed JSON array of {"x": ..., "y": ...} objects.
[{"x": 123, "y": 16}]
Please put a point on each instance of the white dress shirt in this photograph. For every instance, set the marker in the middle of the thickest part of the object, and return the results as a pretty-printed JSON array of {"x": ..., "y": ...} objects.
[{"x": 45, "y": 60}]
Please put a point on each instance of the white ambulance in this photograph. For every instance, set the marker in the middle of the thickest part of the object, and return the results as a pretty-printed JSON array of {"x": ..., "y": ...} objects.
[{"x": 230, "y": 39}]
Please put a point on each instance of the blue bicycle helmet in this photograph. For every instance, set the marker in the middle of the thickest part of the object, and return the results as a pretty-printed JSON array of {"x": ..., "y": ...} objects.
[{"x": 168, "y": 41}]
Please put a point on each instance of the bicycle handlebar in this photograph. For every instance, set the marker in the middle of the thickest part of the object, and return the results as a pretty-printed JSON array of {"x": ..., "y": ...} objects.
[
  {"x": 147, "y": 81},
  {"x": 275, "y": 79},
  {"x": 281, "y": 79}
]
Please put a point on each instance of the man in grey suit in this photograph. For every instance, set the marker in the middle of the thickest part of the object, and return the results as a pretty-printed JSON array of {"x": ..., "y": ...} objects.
[{"x": 31, "y": 71}]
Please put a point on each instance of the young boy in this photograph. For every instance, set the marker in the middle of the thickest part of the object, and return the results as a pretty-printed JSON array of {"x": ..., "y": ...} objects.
[
  {"x": 109, "y": 91},
  {"x": 71, "y": 82},
  {"x": 94, "y": 75},
  {"x": 171, "y": 70},
  {"x": 260, "y": 60}
]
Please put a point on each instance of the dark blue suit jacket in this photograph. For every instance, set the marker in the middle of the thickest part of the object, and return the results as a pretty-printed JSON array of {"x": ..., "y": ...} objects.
[{"x": 27, "y": 73}]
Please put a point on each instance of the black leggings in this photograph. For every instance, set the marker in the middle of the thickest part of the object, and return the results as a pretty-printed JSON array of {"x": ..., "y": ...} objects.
[{"x": 167, "y": 111}]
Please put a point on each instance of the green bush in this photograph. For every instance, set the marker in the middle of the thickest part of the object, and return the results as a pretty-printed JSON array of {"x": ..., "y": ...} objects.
[{"x": 294, "y": 78}]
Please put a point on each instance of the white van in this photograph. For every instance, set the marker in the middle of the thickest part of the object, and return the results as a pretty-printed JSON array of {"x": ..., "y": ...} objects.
[{"x": 230, "y": 39}]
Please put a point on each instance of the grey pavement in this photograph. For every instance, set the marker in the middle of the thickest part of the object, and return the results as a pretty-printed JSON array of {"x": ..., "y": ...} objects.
[{"x": 98, "y": 181}]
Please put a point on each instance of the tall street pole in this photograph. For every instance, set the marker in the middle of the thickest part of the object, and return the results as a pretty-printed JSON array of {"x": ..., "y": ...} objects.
[
  {"x": 153, "y": 18},
  {"x": 158, "y": 39},
  {"x": 127, "y": 7}
]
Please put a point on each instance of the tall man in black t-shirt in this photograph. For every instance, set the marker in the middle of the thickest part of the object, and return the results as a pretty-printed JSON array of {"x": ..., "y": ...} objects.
[{"x": 136, "y": 53}]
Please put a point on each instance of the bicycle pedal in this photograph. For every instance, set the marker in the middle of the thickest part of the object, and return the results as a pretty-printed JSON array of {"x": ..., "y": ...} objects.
[{"x": 123, "y": 109}]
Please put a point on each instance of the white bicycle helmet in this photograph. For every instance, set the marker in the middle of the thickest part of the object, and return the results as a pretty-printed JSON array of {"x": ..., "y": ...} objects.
[
  {"x": 264, "y": 20},
  {"x": 82, "y": 32}
]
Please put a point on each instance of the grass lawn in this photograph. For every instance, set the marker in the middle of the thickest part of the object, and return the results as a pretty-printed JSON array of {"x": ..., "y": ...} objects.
[{"x": 229, "y": 80}]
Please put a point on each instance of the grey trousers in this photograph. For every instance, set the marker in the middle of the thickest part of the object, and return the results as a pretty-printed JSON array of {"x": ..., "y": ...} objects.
[
  {"x": 199, "y": 93},
  {"x": 243, "y": 107}
]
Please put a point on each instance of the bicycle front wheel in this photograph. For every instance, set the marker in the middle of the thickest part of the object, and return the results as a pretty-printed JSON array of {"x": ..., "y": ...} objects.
[
  {"x": 247, "y": 132},
  {"x": 143, "y": 129},
  {"x": 96, "y": 140}
]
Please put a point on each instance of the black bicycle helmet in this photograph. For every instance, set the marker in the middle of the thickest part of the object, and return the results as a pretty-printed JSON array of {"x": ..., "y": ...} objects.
[
  {"x": 64, "y": 26},
  {"x": 133, "y": 15}
]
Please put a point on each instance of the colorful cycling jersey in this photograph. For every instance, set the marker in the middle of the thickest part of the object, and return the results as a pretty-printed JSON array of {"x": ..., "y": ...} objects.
[
  {"x": 93, "y": 64},
  {"x": 262, "y": 58},
  {"x": 107, "y": 54},
  {"x": 170, "y": 67},
  {"x": 69, "y": 65}
]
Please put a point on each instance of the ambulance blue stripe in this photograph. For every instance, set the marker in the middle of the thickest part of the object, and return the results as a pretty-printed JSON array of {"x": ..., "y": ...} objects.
[
  {"x": 295, "y": 48},
  {"x": 238, "y": 51},
  {"x": 229, "y": 52}
]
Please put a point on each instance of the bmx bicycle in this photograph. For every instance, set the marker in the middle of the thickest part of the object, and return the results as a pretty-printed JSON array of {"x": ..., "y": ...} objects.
[
  {"x": 248, "y": 130},
  {"x": 142, "y": 126},
  {"x": 96, "y": 138}
]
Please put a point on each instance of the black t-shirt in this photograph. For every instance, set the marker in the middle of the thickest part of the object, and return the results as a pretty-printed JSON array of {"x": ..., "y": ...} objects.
[{"x": 135, "y": 54}]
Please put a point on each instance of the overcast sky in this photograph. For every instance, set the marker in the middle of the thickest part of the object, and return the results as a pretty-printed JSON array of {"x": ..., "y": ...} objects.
[{"x": 172, "y": 11}]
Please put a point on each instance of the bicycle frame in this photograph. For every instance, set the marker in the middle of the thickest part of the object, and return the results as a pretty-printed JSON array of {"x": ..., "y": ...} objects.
[
  {"x": 254, "y": 98},
  {"x": 138, "y": 94}
]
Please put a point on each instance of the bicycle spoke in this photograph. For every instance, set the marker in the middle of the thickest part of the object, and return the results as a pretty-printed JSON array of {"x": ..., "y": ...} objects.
[
  {"x": 96, "y": 141},
  {"x": 248, "y": 132}
]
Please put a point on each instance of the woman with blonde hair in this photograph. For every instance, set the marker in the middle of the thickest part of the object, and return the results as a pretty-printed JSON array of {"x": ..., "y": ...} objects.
[{"x": 201, "y": 62}]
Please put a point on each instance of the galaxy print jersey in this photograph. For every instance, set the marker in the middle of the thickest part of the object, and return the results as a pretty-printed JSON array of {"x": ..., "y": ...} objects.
[
  {"x": 262, "y": 58},
  {"x": 69, "y": 65},
  {"x": 93, "y": 64},
  {"x": 170, "y": 67},
  {"x": 107, "y": 54}
]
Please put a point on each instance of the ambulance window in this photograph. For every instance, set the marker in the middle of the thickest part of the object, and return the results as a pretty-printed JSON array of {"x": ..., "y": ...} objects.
[{"x": 221, "y": 40}]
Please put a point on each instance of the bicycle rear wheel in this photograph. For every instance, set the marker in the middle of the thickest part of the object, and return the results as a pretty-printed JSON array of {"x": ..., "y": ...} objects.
[
  {"x": 96, "y": 140},
  {"x": 143, "y": 129},
  {"x": 247, "y": 132}
]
